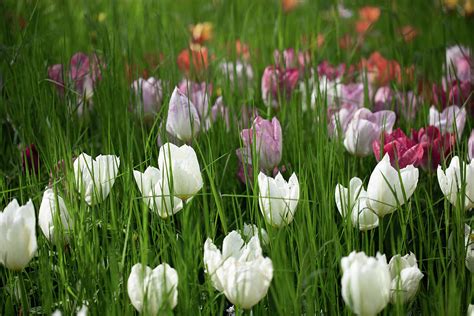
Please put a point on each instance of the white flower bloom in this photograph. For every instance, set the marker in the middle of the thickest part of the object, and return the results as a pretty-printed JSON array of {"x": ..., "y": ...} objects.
[
  {"x": 53, "y": 211},
  {"x": 179, "y": 167},
  {"x": 17, "y": 235},
  {"x": 406, "y": 277},
  {"x": 365, "y": 283},
  {"x": 353, "y": 201},
  {"x": 240, "y": 271},
  {"x": 251, "y": 230},
  {"x": 153, "y": 291},
  {"x": 95, "y": 177},
  {"x": 452, "y": 180},
  {"x": 385, "y": 190},
  {"x": 278, "y": 199},
  {"x": 156, "y": 192}
]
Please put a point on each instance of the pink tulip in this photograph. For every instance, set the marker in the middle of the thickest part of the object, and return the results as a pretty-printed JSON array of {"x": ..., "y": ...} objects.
[
  {"x": 278, "y": 82},
  {"x": 460, "y": 64},
  {"x": 383, "y": 98},
  {"x": 55, "y": 74},
  {"x": 292, "y": 59},
  {"x": 402, "y": 150},
  {"x": 364, "y": 128},
  {"x": 471, "y": 146},
  {"x": 331, "y": 72},
  {"x": 451, "y": 120},
  {"x": 460, "y": 92},
  {"x": 353, "y": 93},
  {"x": 436, "y": 146},
  {"x": 199, "y": 93},
  {"x": 149, "y": 93},
  {"x": 265, "y": 137}
]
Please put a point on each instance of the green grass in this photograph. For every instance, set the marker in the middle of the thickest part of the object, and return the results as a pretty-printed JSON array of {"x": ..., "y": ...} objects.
[{"x": 108, "y": 239}]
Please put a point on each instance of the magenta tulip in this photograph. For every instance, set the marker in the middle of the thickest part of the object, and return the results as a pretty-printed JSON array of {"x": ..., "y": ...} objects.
[
  {"x": 277, "y": 82},
  {"x": 402, "y": 150},
  {"x": 436, "y": 146}
]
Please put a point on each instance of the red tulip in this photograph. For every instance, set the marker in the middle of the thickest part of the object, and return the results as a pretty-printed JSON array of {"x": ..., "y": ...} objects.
[{"x": 402, "y": 150}]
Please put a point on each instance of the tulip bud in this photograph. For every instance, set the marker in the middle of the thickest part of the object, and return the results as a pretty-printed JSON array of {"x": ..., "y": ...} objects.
[
  {"x": 365, "y": 283},
  {"x": 17, "y": 235},
  {"x": 385, "y": 191},
  {"x": 156, "y": 192},
  {"x": 352, "y": 202},
  {"x": 452, "y": 180},
  {"x": 364, "y": 128},
  {"x": 180, "y": 167},
  {"x": 153, "y": 291},
  {"x": 95, "y": 177},
  {"x": 470, "y": 146},
  {"x": 406, "y": 277},
  {"x": 266, "y": 136},
  {"x": 278, "y": 199},
  {"x": 240, "y": 271},
  {"x": 53, "y": 211},
  {"x": 149, "y": 93},
  {"x": 183, "y": 119},
  {"x": 451, "y": 120}
]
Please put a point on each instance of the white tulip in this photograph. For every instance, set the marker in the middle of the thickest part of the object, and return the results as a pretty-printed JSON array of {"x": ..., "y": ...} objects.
[
  {"x": 53, "y": 211},
  {"x": 406, "y": 277},
  {"x": 278, "y": 199},
  {"x": 183, "y": 119},
  {"x": 452, "y": 180},
  {"x": 251, "y": 230},
  {"x": 365, "y": 283},
  {"x": 470, "y": 310},
  {"x": 156, "y": 192},
  {"x": 17, "y": 235},
  {"x": 153, "y": 291},
  {"x": 180, "y": 168},
  {"x": 352, "y": 202},
  {"x": 385, "y": 191},
  {"x": 469, "y": 244},
  {"x": 240, "y": 271},
  {"x": 95, "y": 177}
]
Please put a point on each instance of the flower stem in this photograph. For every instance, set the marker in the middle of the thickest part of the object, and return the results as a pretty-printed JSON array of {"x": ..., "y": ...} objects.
[{"x": 24, "y": 300}]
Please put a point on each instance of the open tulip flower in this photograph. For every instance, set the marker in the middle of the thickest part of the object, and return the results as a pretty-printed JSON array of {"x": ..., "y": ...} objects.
[
  {"x": 451, "y": 120},
  {"x": 278, "y": 82},
  {"x": 470, "y": 146},
  {"x": 183, "y": 120},
  {"x": 156, "y": 192},
  {"x": 364, "y": 128},
  {"x": 153, "y": 292},
  {"x": 17, "y": 235},
  {"x": 240, "y": 271},
  {"x": 149, "y": 94},
  {"x": 352, "y": 202},
  {"x": 402, "y": 150},
  {"x": 278, "y": 199},
  {"x": 53, "y": 217},
  {"x": 365, "y": 283},
  {"x": 179, "y": 167},
  {"x": 265, "y": 137},
  {"x": 452, "y": 180},
  {"x": 406, "y": 277},
  {"x": 385, "y": 191},
  {"x": 95, "y": 177}
]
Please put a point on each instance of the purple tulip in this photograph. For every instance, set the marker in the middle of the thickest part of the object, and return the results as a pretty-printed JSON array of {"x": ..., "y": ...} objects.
[
  {"x": 460, "y": 64},
  {"x": 353, "y": 93},
  {"x": 199, "y": 93},
  {"x": 278, "y": 82},
  {"x": 364, "y": 128},
  {"x": 383, "y": 99},
  {"x": 471, "y": 146},
  {"x": 149, "y": 93},
  {"x": 183, "y": 118},
  {"x": 451, "y": 120},
  {"x": 265, "y": 137}
]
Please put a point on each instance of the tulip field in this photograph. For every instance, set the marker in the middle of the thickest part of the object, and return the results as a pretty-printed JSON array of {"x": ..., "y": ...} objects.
[{"x": 246, "y": 157}]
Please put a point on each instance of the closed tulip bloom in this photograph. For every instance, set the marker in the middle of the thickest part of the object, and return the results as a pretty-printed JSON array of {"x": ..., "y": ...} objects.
[
  {"x": 153, "y": 292},
  {"x": 149, "y": 93},
  {"x": 365, "y": 283},
  {"x": 406, "y": 277},
  {"x": 278, "y": 199},
  {"x": 183, "y": 119},
  {"x": 364, "y": 128},
  {"x": 470, "y": 146},
  {"x": 156, "y": 192},
  {"x": 17, "y": 235},
  {"x": 180, "y": 167},
  {"x": 452, "y": 180},
  {"x": 451, "y": 120},
  {"x": 53, "y": 216},
  {"x": 199, "y": 94},
  {"x": 240, "y": 271},
  {"x": 278, "y": 82},
  {"x": 95, "y": 177},
  {"x": 385, "y": 191},
  {"x": 352, "y": 201}
]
